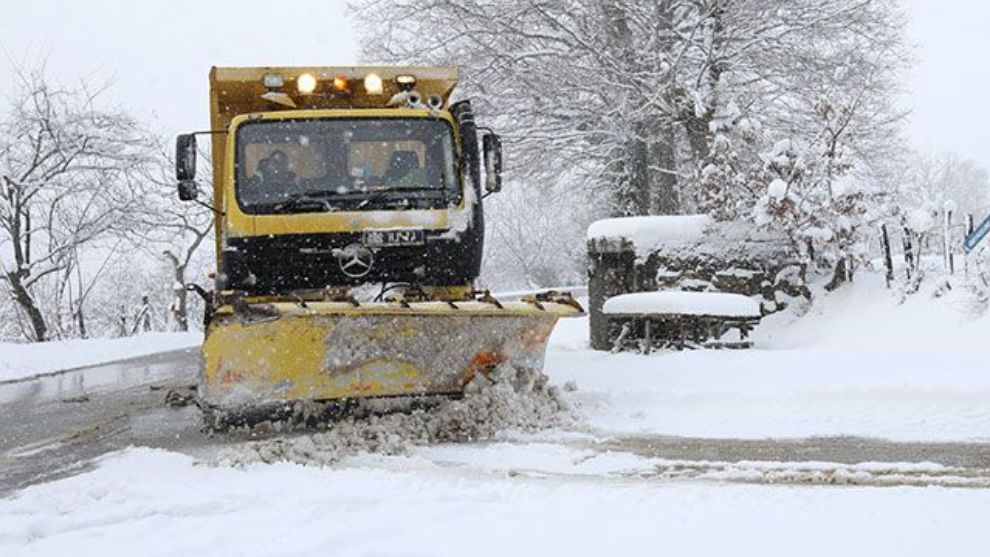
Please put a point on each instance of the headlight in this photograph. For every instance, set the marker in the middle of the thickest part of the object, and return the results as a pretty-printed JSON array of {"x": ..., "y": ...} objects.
[{"x": 306, "y": 83}]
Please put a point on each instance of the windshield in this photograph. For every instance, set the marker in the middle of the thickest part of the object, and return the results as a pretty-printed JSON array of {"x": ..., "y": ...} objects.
[{"x": 289, "y": 166}]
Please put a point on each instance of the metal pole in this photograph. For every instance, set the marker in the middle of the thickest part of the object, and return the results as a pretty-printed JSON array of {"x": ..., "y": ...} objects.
[
  {"x": 969, "y": 230},
  {"x": 946, "y": 238}
]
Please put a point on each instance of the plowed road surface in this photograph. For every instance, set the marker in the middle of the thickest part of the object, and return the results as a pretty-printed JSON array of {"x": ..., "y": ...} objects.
[{"x": 52, "y": 427}]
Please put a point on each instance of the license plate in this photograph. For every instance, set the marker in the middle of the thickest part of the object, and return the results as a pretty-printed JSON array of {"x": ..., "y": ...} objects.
[{"x": 387, "y": 238}]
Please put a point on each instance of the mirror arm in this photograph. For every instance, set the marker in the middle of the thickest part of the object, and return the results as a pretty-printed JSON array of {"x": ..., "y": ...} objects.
[
  {"x": 208, "y": 132},
  {"x": 193, "y": 287},
  {"x": 218, "y": 212}
]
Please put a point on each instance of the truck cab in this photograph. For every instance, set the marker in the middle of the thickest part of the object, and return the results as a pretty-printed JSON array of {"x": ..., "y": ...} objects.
[{"x": 328, "y": 177}]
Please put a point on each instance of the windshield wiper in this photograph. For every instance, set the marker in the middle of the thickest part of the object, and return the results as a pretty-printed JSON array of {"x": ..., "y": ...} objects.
[
  {"x": 381, "y": 195},
  {"x": 306, "y": 199}
]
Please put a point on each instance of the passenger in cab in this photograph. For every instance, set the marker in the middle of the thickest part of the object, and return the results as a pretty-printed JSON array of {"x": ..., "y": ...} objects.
[{"x": 404, "y": 171}]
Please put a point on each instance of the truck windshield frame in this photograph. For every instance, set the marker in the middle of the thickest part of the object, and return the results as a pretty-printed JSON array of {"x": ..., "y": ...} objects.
[{"x": 311, "y": 165}]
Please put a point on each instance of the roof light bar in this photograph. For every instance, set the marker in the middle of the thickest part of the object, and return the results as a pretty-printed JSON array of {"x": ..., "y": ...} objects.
[
  {"x": 306, "y": 83},
  {"x": 273, "y": 80},
  {"x": 405, "y": 82},
  {"x": 373, "y": 84}
]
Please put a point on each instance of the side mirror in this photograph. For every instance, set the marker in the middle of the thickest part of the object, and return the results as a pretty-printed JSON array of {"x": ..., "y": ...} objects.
[
  {"x": 185, "y": 166},
  {"x": 185, "y": 157},
  {"x": 492, "y": 145},
  {"x": 188, "y": 190}
]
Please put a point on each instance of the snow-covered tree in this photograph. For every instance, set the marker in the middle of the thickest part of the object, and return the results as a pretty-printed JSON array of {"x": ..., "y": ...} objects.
[
  {"x": 666, "y": 106},
  {"x": 518, "y": 258},
  {"x": 582, "y": 89},
  {"x": 176, "y": 232},
  {"x": 812, "y": 196},
  {"x": 934, "y": 181},
  {"x": 65, "y": 164}
]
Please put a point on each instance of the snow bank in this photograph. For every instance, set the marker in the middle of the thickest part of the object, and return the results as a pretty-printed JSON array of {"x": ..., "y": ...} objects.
[
  {"x": 684, "y": 303},
  {"x": 518, "y": 399},
  {"x": 647, "y": 232},
  {"x": 18, "y": 361}
]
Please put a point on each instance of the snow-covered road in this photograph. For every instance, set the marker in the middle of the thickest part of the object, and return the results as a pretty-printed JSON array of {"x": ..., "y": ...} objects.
[
  {"x": 155, "y": 503},
  {"x": 705, "y": 452},
  {"x": 53, "y": 426}
]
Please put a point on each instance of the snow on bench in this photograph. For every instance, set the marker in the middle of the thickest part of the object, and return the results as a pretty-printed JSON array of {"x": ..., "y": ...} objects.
[
  {"x": 647, "y": 320},
  {"x": 717, "y": 304}
]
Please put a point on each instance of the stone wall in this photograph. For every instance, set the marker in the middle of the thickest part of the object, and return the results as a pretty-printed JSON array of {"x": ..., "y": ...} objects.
[{"x": 731, "y": 257}]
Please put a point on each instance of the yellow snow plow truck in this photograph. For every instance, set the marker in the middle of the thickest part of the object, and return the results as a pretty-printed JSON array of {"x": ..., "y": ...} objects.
[{"x": 330, "y": 183}]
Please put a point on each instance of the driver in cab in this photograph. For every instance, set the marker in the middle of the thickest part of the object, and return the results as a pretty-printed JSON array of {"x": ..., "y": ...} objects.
[{"x": 274, "y": 170}]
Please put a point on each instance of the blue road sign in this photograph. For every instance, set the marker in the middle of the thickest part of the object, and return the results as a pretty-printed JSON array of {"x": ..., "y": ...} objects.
[{"x": 977, "y": 235}]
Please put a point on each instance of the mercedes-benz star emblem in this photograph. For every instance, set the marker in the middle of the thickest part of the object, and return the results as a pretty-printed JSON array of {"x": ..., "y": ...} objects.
[{"x": 355, "y": 260}]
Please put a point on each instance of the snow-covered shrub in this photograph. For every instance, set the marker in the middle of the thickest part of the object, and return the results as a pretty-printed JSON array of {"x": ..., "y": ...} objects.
[{"x": 810, "y": 192}]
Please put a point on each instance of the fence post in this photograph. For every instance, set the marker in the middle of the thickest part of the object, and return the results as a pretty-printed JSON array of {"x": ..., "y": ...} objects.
[
  {"x": 888, "y": 261},
  {"x": 908, "y": 252},
  {"x": 122, "y": 321}
]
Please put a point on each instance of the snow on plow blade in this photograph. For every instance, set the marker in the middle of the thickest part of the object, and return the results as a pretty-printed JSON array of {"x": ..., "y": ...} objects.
[{"x": 333, "y": 350}]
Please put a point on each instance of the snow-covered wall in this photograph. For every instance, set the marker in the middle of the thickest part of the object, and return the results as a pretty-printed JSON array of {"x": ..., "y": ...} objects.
[
  {"x": 647, "y": 232},
  {"x": 688, "y": 253}
]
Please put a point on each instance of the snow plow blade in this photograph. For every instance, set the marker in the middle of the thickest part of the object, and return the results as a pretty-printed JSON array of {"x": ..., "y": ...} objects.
[{"x": 269, "y": 354}]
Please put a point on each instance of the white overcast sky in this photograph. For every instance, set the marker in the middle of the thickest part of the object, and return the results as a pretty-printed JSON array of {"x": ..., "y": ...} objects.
[{"x": 157, "y": 54}]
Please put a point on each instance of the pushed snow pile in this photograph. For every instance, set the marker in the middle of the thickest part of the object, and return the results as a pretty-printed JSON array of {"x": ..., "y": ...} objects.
[
  {"x": 683, "y": 303},
  {"x": 519, "y": 399},
  {"x": 646, "y": 232},
  {"x": 18, "y": 361}
]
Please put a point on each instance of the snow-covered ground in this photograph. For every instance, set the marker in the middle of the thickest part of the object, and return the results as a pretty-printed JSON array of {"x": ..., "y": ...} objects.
[
  {"x": 860, "y": 363},
  {"x": 151, "y": 503},
  {"x": 25, "y": 360}
]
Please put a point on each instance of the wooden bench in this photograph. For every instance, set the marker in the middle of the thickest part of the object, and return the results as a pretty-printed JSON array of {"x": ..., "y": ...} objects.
[{"x": 680, "y": 320}]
